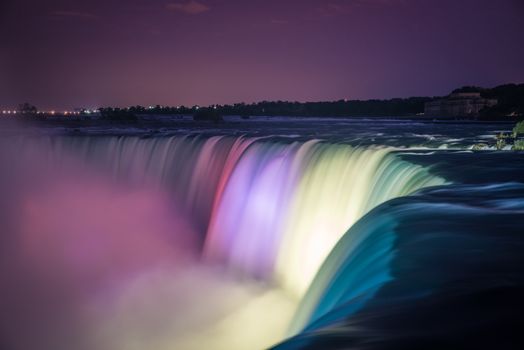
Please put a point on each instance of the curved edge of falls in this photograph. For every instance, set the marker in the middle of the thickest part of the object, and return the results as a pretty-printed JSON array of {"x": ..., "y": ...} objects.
[{"x": 442, "y": 267}]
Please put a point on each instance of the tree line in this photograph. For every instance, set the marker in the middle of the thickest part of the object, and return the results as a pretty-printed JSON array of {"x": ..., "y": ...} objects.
[{"x": 510, "y": 103}]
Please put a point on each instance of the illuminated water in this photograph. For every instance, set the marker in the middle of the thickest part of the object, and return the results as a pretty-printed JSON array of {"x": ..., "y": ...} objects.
[
  {"x": 222, "y": 241},
  {"x": 440, "y": 269}
]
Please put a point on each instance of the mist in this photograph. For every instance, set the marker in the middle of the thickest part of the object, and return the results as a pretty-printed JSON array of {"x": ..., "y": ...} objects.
[{"x": 91, "y": 262}]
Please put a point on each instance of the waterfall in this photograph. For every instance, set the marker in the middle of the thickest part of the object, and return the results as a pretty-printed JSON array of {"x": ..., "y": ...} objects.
[
  {"x": 286, "y": 206},
  {"x": 265, "y": 210},
  {"x": 270, "y": 210}
]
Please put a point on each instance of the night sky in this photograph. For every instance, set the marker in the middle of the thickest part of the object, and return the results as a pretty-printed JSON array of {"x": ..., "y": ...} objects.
[{"x": 67, "y": 53}]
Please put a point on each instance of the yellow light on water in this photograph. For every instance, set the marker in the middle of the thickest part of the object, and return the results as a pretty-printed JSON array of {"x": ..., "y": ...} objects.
[{"x": 329, "y": 199}]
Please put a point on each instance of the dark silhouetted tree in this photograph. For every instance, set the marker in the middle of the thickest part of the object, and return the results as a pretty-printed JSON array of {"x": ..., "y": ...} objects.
[{"x": 27, "y": 109}]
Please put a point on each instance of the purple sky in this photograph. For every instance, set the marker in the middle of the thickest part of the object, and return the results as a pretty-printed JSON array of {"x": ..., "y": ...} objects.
[{"x": 67, "y": 53}]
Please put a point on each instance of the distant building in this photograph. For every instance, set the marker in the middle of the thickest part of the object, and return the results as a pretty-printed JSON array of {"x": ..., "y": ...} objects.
[{"x": 463, "y": 104}]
